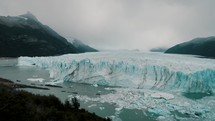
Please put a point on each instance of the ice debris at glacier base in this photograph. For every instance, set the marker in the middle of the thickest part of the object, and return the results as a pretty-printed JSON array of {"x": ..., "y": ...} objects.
[
  {"x": 131, "y": 69},
  {"x": 166, "y": 107}
]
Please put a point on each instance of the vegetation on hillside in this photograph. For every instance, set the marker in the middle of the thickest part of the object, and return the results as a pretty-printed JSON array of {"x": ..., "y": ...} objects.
[{"x": 23, "y": 106}]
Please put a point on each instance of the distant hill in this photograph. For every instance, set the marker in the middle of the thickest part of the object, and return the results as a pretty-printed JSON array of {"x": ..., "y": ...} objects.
[
  {"x": 198, "y": 46},
  {"x": 80, "y": 45},
  {"x": 159, "y": 49},
  {"x": 24, "y": 35}
]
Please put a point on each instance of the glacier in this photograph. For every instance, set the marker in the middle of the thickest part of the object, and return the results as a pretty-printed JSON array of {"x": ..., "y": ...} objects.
[
  {"x": 131, "y": 69},
  {"x": 150, "y": 82}
]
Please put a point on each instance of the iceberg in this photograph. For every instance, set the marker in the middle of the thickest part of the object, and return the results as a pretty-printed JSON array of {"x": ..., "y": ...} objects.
[
  {"x": 131, "y": 70},
  {"x": 36, "y": 79}
]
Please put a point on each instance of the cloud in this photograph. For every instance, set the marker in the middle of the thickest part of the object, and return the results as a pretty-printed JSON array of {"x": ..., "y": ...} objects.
[{"x": 122, "y": 24}]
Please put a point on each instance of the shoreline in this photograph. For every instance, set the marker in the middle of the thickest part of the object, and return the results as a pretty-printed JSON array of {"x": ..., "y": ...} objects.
[{"x": 14, "y": 85}]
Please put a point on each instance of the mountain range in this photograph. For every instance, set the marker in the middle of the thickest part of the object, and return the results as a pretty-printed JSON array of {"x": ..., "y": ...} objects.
[{"x": 25, "y": 35}]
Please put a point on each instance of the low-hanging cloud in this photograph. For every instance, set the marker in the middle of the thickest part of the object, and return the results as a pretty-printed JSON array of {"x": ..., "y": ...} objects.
[{"x": 122, "y": 24}]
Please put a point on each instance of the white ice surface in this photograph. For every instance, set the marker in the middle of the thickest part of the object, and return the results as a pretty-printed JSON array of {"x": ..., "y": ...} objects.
[{"x": 131, "y": 69}]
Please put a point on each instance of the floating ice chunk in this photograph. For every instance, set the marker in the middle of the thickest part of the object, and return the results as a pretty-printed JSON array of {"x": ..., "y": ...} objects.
[
  {"x": 93, "y": 105},
  {"x": 115, "y": 118},
  {"x": 36, "y": 79},
  {"x": 107, "y": 88},
  {"x": 95, "y": 85},
  {"x": 164, "y": 95},
  {"x": 161, "y": 118},
  {"x": 159, "y": 111},
  {"x": 101, "y": 108},
  {"x": 53, "y": 82},
  {"x": 118, "y": 109},
  {"x": 173, "y": 107},
  {"x": 51, "y": 74}
]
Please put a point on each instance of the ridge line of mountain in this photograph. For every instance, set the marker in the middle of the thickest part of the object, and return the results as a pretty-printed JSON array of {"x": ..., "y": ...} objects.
[{"x": 25, "y": 35}]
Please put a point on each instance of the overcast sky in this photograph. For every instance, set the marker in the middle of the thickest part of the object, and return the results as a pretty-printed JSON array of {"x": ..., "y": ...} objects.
[{"x": 122, "y": 24}]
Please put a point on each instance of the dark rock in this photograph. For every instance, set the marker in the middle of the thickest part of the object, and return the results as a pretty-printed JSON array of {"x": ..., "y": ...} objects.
[
  {"x": 50, "y": 85},
  {"x": 75, "y": 92},
  {"x": 33, "y": 84},
  {"x": 198, "y": 113},
  {"x": 98, "y": 94}
]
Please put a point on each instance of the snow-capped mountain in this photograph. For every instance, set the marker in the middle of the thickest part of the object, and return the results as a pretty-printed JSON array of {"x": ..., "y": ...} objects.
[
  {"x": 24, "y": 35},
  {"x": 80, "y": 45},
  {"x": 197, "y": 46}
]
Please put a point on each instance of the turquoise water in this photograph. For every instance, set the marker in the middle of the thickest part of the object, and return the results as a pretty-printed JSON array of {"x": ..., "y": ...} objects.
[{"x": 196, "y": 96}]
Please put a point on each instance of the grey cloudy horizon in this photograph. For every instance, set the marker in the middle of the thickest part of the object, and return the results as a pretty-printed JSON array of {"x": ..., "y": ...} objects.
[{"x": 121, "y": 24}]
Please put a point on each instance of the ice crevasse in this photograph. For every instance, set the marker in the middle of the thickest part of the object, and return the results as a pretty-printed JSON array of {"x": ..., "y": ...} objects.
[{"x": 131, "y": 69}]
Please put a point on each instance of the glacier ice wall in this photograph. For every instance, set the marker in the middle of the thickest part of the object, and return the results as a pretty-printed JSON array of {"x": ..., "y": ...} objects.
[{"x": 131, "y": 69}]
